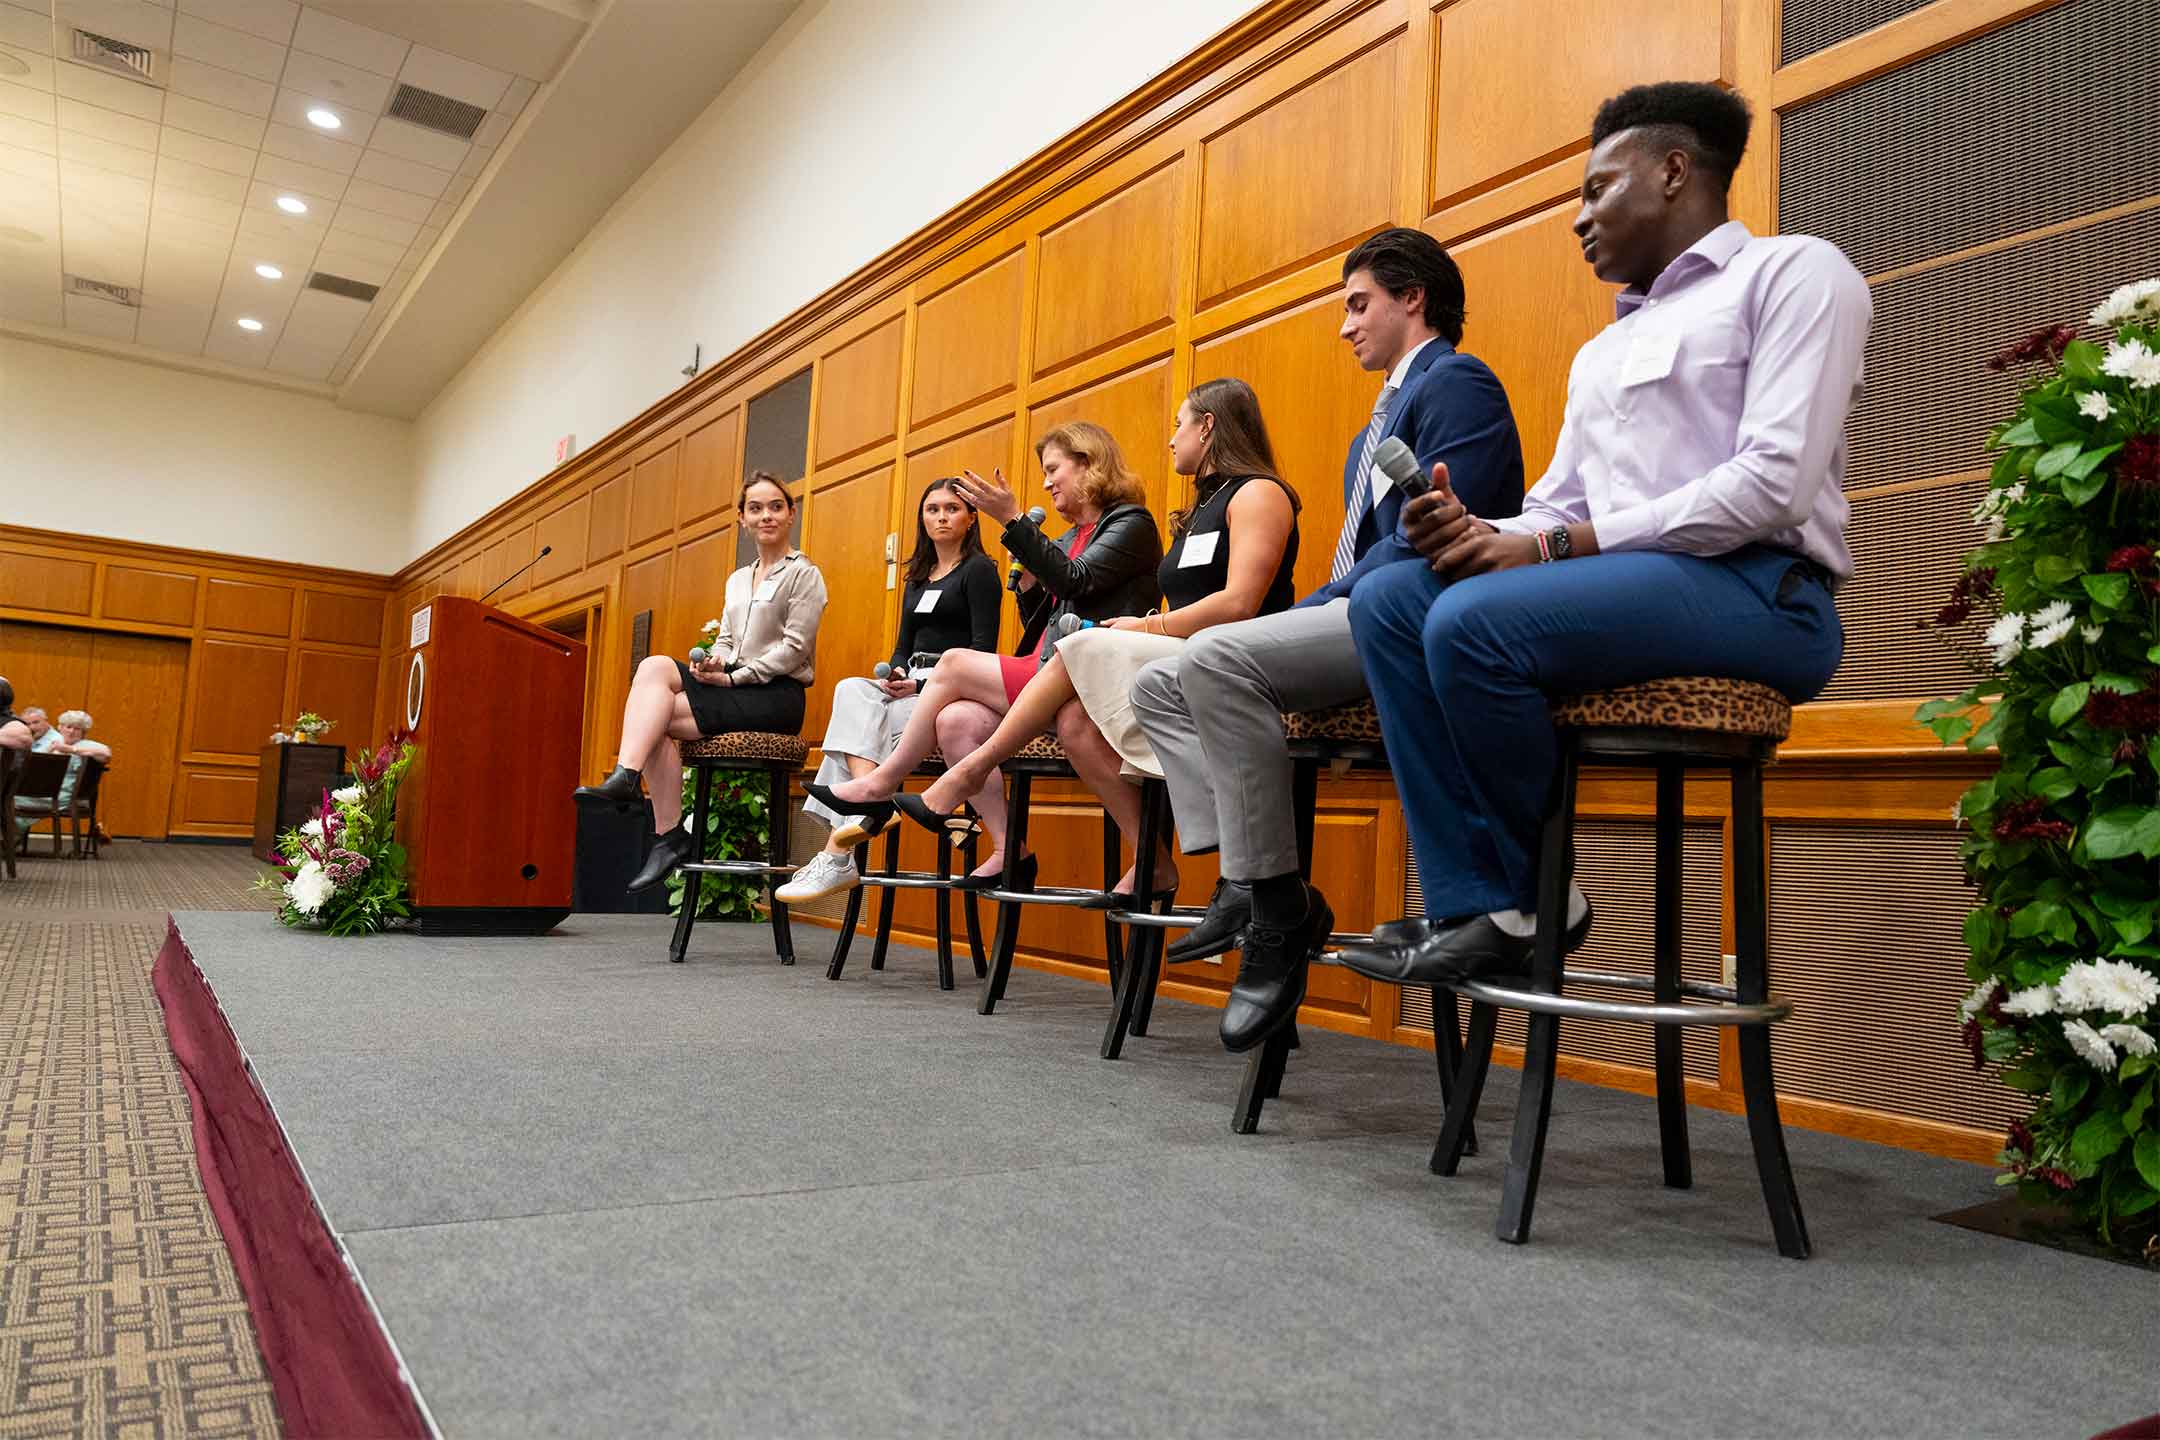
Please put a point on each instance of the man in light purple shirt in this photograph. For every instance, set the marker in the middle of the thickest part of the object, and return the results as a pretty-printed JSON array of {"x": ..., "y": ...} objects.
[{"x": 1692, "y": 523}]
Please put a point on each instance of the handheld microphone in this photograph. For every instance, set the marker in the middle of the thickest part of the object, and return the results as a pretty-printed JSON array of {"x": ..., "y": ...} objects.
[
  {"x": 1394, "y": 460},
  {"x": 884, "y": 669},
  {"x": 698, "y": 654},
  {"x": 545, "y": 551},
  {"x": 1035, "y": 516},
  {"x": 1068, "y": 623}
]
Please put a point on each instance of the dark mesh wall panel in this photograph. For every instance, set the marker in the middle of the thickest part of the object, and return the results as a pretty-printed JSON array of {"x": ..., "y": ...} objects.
[
  {"x": 1812, "y": 25},
  {"x": 1908, "y": 550}
]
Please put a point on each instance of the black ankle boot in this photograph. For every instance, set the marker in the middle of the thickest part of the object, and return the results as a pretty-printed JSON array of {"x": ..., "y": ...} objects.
[
  {"x": 668, "y": 851},
  {"x": 620, "y": 786}
]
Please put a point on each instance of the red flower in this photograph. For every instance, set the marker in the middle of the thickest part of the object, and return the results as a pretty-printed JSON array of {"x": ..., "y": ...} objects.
[
  {"x": 2021, "y": 1137},
  {"x": 1969, "y": 1032},
  {"x": 2046, "y": 343},
  {"x": 2131, "y": 558},
  {"x": 2023, "y": 821},
  {"x": 2137, "y": 464},
  {"x": 2054, "y": 1177},
  {"x": 2137, "y": 714}
]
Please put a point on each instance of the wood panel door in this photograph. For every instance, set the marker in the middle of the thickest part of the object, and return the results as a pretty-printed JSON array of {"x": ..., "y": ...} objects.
[{"x": 131, "y": 686}]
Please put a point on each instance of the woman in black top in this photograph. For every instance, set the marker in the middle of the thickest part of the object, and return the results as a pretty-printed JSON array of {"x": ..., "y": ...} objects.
[
  {"x": 1231, "y": 558},
  {"x": 951, "y": 602}
]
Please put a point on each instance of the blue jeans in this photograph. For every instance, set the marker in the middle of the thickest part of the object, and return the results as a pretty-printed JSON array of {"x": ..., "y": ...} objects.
[{"x": 1462, "y": 674}]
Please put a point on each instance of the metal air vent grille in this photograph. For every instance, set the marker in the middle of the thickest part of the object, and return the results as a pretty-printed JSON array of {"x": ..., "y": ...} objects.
[{"x": 439, "y": 113}]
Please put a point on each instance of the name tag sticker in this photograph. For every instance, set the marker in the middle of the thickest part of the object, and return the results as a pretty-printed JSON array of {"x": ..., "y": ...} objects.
[
  {"x": 927, "y": 601},
  {"x": 766, "y": 591},
  {"x": 1199, "y": 549},
  {"x": 1649, "y": 356}
]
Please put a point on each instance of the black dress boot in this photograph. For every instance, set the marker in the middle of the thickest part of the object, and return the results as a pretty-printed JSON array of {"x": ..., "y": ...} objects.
[
  {"x": 1271, "y": 981},
  {"x": 1229, "y": 911},
  {"x": 620, "y": 787},
  {"x": 668, "y": 851}
]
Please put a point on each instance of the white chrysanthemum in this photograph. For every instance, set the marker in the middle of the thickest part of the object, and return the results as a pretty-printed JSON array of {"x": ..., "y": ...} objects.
[
  {"x": 1994, "y": 532},
  {"x": 2093, "y": 1050},
  {"x": 1974, "y": 1003},
  {"x": 2040, "y": 1000},
  {"x": 1957, "y": 811},
  {"x": 2141, "y": 297},
  {"x": 2011, "y": 494},
  {"x": 2096, "y": 405},
  {"x": 2134, "y": 361},
  {"x": 2006, "y": 637},
  {"x": 348, "y": 795},
  {"x": 2134, "y": 1039},
  {"x": 2046, "y": 635},
  {"x": 313, "y": 828},
  {"x": 2112, "y": 985},
  {"x": 309, "y": 888},
  {"x": 2091, "y": 634}
]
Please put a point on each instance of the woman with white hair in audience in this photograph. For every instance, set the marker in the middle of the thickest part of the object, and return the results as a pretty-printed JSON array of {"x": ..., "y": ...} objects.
[{"x": 75, "y": 743}]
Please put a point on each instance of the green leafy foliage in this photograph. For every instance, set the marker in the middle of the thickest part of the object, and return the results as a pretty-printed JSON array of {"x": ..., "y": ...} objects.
[{"x": 734, "y": 830}]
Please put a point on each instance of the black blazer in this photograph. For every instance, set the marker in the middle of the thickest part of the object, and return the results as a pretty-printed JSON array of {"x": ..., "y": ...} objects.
[{"x": 1114, "y": 575}]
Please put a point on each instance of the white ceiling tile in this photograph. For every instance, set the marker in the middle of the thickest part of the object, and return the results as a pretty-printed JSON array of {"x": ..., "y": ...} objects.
[
  {"x": 183, "y": 272},
  {"x": 175, "y": 173},
  {"x": 321, "y": 319},
  {"x": 147, "y": 25},
  {"x": 227, "y": 48},
  {"x": 170, "y": 198},
  {"x": 517, "y": 97},
  {"x": 443, "y": 213},
  {"x": 139, "y": 165},
  {"x": 459, "y": 79},
  {"x": 100, "y": 317},
  {"x": 367, "y": 247},
  {"x": 458, "y": 188},
  {"x": 356, "y": 45},
  {"x": 476, "y": 160},
  {"x": 167, "y": 226},
  {"x": 24, "y": 103},
  {"x": 108, "y": 92},
  {"x": 28, "y": 134},
  {"x": 410, "y": 142},
  {"x": 176, "y": 327},
  {"x": 355, "y": 221},
  {"x": 26, "y": 29},
  {"x": 108, "y": 125},
  {"x": 492, "y": 129},
  {"x": 32, "y": 297},
  {"x": 263, "y": 213},
  {"x": 385, "y": 201},
  {"x": 269, "y": 19},
  {"x": 216, "y": 86},
  {"x": 427, "y": 237},
  {"x": 399, "y": 174},
  {"x": 336, "y": 83},
  {"x": 40, "y": 67},
  {"x": 101, "y": 250},
  {"x": 29, "y": 199},
  {"x": 234, "y": 127},
  {"x": 29, "y": 165},
  {"x": 311, "y": 147},
  {"x": 305, "y": 362},
  {"x": 367, "y": 269},
  {"x": 292, "y": 106},
  {"x": 309, "y": 182},
  {"x": 210, "y": 154}
]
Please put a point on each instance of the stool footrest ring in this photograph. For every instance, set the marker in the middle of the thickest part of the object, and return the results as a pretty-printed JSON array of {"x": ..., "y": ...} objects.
[
  {"x": 736, "y": 867},
  {"x": 911, "y": 880},
  {"x": 1512, "y": 997}
]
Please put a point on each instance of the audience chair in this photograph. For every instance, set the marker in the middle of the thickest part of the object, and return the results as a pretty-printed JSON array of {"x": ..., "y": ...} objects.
[
  {"x": 1664, "y": 726},
  {"x": 39, "y": 782},
  {"x": 781, "y": 757},
  {"x": 82, "y": 811},
  {"x": 892, "y": 878},
  {"x": 11, "y": 768}
]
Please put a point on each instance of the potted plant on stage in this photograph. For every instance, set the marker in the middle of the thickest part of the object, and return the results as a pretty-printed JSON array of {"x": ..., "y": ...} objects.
[
  {"x": 311, "y": 727},
  {"x": 2063, "y": 840},
  {"x": 343, "y": 870}
]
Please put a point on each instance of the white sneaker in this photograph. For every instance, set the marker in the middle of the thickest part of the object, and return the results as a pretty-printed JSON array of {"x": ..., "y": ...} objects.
[{"x": 826, "y": 874}]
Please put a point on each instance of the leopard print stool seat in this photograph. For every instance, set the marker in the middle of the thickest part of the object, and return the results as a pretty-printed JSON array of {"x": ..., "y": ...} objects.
[
  {"x": 1356, "y": 723},
  {"x": 1041, "y": 748},
  {"x": 756, "y": 746},
  {"x": 1694, "y": 702}
]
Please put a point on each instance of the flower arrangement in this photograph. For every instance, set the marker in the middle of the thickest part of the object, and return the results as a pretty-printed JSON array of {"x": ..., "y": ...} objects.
[
  {"x": 343, "y": 870},
  {"x": 311, "y": 726},
  {"x": 2062, "y": 840},
  {"x": 734, "y": 830}
]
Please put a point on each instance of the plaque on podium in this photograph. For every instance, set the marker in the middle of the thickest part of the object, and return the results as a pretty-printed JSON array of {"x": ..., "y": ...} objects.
[{"x": 497, "y": 707}]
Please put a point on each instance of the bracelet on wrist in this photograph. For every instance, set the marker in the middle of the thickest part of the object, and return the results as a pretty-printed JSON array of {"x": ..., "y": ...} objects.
[{"x": 1544, "y": 547}]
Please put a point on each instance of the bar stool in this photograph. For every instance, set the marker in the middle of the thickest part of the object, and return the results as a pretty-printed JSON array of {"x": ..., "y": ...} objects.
[
  {"x": 781, "y": 757},
  {"x": 893, "y": 878},
  {"x": 1665, "y": 726}
]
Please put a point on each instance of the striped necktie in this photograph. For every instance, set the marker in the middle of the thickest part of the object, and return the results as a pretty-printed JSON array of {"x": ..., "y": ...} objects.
[{"x": 1361, "y": 498}]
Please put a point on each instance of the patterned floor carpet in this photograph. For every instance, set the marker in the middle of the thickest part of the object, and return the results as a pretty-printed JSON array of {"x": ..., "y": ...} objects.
[{"x": 119, "y": 1312}]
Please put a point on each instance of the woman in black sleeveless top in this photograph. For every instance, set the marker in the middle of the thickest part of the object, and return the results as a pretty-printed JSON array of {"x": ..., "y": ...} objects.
[{"x": 1231, "y": 558}]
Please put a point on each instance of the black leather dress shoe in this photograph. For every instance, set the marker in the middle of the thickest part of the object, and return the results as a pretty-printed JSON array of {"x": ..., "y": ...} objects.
[
  {"x": 1271, "y": 982},
  {"x": 1460, "y": 950},
  {"x": 668, "y": 851},
  {"x": 1229, "y": 911},
  {"x": 620, "y": 787}
]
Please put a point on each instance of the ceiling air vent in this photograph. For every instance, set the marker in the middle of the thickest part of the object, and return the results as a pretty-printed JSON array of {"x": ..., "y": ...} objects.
[
  {"x": 106, "y": 53},
  {"x": 89, "y": 289},
  {"x": 330, "y": 284},
  {"x": 439, "y": 113}
]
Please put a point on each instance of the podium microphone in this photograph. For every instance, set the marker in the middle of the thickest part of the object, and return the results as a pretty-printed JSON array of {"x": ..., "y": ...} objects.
[
  {"x": 545, "y": 551},
  {"x": 1035, "y": 516}
]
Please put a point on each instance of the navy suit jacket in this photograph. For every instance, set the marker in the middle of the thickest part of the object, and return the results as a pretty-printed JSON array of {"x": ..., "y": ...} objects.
[{"x": 1452, "y": 408}]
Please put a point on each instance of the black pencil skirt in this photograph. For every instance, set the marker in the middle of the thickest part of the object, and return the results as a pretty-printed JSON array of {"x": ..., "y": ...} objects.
[{"x": 775, "y": 707}]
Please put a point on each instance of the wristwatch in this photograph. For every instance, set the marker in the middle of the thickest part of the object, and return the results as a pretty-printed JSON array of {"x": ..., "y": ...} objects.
[{"x": 1562, "y": 547}]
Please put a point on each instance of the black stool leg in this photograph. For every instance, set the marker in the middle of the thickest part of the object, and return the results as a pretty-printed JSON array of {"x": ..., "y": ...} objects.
[
  {"x": 1113, "y": 933},
  {"x": 1671, "y": 1078},
  {"x": 848, "y": 921},
  {"x": 1263, "y": 1080},
  {"x": 1008, "y": 931},
  {"x": 972, "y": 907},
  {"x": 1448, "y": 1056},
  {"x": 776, "y": 853},
  {"x": 1533, "y": 1111},
  {"x": 1456, "y": 1131},
  {"x": 1751, "y": 946},
  {"x": 1154, "y": 822},
  {"x": 688, "y": 918},
  {"x": 886, "y": 895},
  {"x": 944, "y": 916}
]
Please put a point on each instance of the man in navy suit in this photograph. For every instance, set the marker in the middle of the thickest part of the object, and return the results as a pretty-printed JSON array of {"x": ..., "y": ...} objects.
[{"x": 1214, "y": 710}]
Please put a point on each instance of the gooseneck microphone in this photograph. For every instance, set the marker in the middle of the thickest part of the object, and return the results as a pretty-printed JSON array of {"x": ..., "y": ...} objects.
[
  {"x": 545, "y": 551},
  {"x": 1035, "y": 516},
  {"x": 1394, "y": 460}
]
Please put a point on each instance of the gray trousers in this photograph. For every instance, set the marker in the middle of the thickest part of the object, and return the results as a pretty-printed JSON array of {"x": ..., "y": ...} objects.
[{"x": 1214, "y": 715}]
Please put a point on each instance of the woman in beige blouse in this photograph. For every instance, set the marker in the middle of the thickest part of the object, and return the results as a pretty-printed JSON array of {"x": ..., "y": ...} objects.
[{"x": 754, "y": 678}]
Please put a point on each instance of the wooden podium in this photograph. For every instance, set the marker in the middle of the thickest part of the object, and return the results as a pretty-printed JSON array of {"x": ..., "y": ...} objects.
[{"x": 497, "y": 707}]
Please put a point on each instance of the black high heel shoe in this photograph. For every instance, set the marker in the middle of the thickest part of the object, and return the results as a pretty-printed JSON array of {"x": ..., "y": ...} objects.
[
  {"x": 1023, "y": 877},
  {"x": 880, "y": 809},
  {"x": 1128, "y": 900},
  {"x": 871, "y": 818},
  {"x": 958, "y": 823}
]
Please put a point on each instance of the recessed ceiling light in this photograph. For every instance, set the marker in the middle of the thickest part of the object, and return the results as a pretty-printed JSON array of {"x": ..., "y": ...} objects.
[
  {"x": 324, "y": 119},
  {"x": 269, "y": 272},
  {"x": 249, "y": 322},
  {"x": 292, "y": 204}
]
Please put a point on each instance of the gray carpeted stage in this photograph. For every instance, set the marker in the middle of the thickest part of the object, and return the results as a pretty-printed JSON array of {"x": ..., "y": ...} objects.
[{"x": 598, "y": 1194}]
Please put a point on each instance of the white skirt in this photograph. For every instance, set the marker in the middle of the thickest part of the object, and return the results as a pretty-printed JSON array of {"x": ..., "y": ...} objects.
[
  {"x": 1102, "y": 663},
  {"x": 865, "y": 722}
]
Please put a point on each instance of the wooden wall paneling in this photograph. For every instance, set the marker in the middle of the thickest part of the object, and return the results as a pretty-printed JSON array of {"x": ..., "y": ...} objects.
[
  {"x": 1084, "y": 305},
  {"x": 610, "y": 517},
  {"x": 1315, "y": 400},
  {"x": 212, "y": 801},
  {"x": 155, "y": 597},
  {"x": 134, "y": 694},
  {"x": 337, "y": 617},
  {"x": 563, "y": 531},
  {"x": 339, "y": 687},
  {"x": 983, "y": 451},
  {"x": 1136, "y": 408},
  {"x": 49, "y": 665},
  {"x": 1307, "y": 174},
  {"x": 845, "y": 535},
  {"x": 54, "y": 584},
  {"x": 858, "y": 394},
  {"x": 247, "y": 608},
  {"x": 711, "y": 468},
  {"x": 1532, "y": 302},
  {"x": 646, "y": 584},
  {"x": 237, "y": 697},
  {"x": 967, "y": 339},
  {"x": 699, "y": 590},
  {"x": 1489, "y": 126},
  {"x": 652, "y": 495}
]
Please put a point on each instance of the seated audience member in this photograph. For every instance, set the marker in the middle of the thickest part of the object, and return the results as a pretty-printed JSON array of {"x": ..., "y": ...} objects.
[
  {"x": 14, "y": 733},
  {"x": 1231, "y": 556},
  {"x": 1213, "y": 712},
  {"x": 70, "y": 738},
  {"x": 42, "y": 735},
  {"x": 753, "y": 679},
  {"x": 1101, "y": 568},
  {"x": 951, "y": 601},
  {"x": 1692, "y": 523}
]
